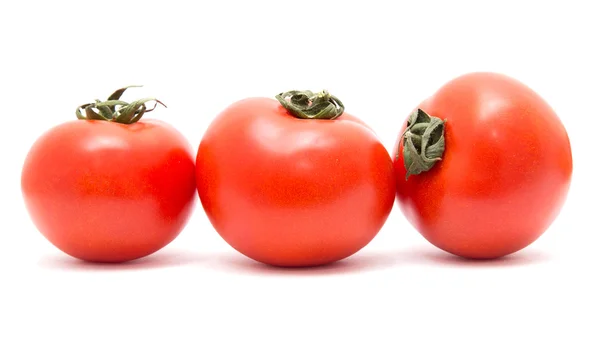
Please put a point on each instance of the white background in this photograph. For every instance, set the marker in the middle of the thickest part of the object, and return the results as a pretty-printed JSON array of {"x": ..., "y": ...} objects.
[{"x": 399, "y": 294}]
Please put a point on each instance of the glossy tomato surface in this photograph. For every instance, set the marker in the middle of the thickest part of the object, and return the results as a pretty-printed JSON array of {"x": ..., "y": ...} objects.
[
  {"x": 504, "y": 175},
  {"x": 110, "y": 192},
  {"x": 293, "y": 192}
]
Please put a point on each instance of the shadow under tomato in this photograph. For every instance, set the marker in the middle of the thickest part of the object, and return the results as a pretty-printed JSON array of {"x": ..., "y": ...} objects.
[
  {"x": 160, "y": 259},
  {"x": 373, "y": 261},
  {"x": 518, "y": 259},
  {"x": 358, "y": 263},
  {"x": 233, "y": 262}
]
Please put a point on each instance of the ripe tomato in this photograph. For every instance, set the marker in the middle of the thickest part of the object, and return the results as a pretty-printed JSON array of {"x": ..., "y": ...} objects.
[
  {"x": 107, "y": 188},
  {"x": 484, "y": 168},
  {"x": 296, "y": 182}
]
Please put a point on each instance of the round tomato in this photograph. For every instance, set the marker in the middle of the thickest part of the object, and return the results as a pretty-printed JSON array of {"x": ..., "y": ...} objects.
[
  {"x": 294, "y": 181},
  {"x": 108, "y": 188},
  {"x": 483, "y": 166}
]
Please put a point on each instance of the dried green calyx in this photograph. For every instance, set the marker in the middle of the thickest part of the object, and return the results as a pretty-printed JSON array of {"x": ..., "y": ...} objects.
[
  {"x": 423, "y": 142},
  {"x": 116, "y": 110},
  {"x": 309, "y": 105}
]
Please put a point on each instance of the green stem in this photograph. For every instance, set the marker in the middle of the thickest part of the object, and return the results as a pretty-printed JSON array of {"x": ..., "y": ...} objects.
[
  {"x": 115, "y": 110},
  {"x": 309, "y": 105},
  {"x": 423, "y": 142}
]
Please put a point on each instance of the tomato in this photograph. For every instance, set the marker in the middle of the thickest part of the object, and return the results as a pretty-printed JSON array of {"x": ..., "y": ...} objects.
[
  {"x": 484, "y": 168},
  {"x": 295, "y": 181},
  {"x": 109, "y": 188}
]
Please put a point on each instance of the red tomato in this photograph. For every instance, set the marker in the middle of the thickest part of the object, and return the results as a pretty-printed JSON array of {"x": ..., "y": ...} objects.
[
  {"x": 105, "y": 191},
  {"x": 504, "y": 172},
  {"x": 303, "y": 187}
]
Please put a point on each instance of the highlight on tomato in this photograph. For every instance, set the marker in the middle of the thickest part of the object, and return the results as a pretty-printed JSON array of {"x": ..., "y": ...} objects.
[
  {"x": 108, "y": 187},
  {"x": 483, "y": 166},
  {"x": 294, "y": 181}
]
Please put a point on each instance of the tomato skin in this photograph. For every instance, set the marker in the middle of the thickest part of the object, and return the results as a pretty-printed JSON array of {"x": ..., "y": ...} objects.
[
  {"x": 505, "y": 172},
  {"x": 293, "y": 192},
  {"x": 108, "y": 192}
]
